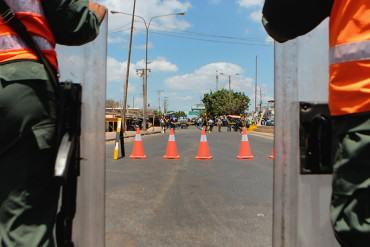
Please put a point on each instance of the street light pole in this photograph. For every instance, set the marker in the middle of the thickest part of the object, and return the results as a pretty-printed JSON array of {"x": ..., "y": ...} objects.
[
  {"x": 145, "y": 88},
  {"x": 229, "y": 76},
  {"x": 159, "y": 99},
  {"x": 145, "y": 93},
  {"x": 124, "y": 110},
  {"x": 255, "y": 87}
]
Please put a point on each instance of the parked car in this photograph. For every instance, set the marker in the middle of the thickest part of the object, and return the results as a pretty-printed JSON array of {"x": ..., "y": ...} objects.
[
  {"x": 183, "y": 122},
  {"x": 270, "y": 122}
]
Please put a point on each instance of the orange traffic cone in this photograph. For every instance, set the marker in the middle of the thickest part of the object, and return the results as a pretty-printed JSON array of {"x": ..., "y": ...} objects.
[
  {"x": 272, "y": 156},
  {"x": 245, "y": 150},
  {"x": 203, "y": 151},
  {"x": 138, "y": 149},
  {"x": 171, "y": 152}
]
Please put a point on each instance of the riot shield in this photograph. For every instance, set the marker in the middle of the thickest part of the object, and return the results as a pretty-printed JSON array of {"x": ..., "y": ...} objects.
[
  {"x": 302, "y": 180},
  {"x": 87, "y": 65}
]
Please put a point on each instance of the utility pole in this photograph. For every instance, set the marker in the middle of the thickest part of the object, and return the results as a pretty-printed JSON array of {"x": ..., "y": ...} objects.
[
  {"x": 145, "y": 88},
  {"x": 123, "y": 113},
  {"x": 255, "y": 86},
  {"x": 120, "y": 105},
  {"x": 260, "y": 99},
  {"x": 143, "y": 74},
  {"x": 133, "y": 101},
  {"x": 229, "y": 76},
  {"x": 230, "y": 83},
  {"x": 216, "y": 80},
  {"x": 159, "y": 99},
  {"x": 165, "y": 104}
]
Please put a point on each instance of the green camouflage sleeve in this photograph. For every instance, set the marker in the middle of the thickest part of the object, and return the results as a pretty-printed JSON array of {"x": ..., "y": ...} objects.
[
  {"x": 288, "y": 19},
  {"x": 71, "y": 21}
]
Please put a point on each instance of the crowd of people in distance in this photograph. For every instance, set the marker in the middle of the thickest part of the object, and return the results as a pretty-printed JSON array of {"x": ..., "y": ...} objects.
[
  {"x": 168, "y": 122},
  {"x": 231, "y": 122}
]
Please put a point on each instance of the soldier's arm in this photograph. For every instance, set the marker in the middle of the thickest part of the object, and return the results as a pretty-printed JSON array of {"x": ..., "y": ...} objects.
[
  {"x": 288, "y": 19},
  {"x": 74, "y": 22}
]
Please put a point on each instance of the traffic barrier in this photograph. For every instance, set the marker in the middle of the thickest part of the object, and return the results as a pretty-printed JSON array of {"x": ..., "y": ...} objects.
[
  {"x": 138, "y": 149},
  {"x": 203, "y": 151},
  {"x": 171, "y": 151},
  {"x": 272, "y": 156},
  {"x": 116, "y": 145},
  {"x": 245, "y": 149}
]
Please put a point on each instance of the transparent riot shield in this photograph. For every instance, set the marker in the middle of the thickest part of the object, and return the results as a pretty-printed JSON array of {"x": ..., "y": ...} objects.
[
  {"x": 87, "y": 65},
  {"x": 301, "y": 194}
]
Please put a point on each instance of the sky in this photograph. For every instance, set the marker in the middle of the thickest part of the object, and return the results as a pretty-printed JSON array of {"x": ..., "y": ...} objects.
[{"x": 185, "y": 52}]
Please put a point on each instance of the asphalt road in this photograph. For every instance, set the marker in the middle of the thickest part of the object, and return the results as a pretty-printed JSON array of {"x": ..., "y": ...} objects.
[{"x": 189, "y": 203}]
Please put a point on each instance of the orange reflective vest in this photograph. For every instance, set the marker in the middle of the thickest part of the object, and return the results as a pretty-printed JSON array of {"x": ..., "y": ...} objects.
[
  {"x": 31, "y": 14},
  {"x": 349, "y": 87}
]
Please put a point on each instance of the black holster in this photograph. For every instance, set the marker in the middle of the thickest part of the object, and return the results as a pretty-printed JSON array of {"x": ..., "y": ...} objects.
[{"x": 67, "y": 164}]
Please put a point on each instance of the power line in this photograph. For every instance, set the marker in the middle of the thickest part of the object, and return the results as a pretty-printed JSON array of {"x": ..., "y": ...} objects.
[
  {"x": 191, "y": 33},
  {"x": 121, "y": 28},
  {"x": 205, "y": 37},
  {"x": 218, "y": 36},
  {"x": 210, "y": 40}
]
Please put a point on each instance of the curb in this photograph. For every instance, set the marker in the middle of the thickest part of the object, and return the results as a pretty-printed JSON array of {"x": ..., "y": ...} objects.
[{"x": 133, "y": 135}]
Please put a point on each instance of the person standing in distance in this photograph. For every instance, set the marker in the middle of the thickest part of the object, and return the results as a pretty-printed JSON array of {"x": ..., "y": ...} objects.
[
  {"x": 219, "y": 124},
  {"x": 28, "y": 191},
  {"x": 349, "y": 104}
]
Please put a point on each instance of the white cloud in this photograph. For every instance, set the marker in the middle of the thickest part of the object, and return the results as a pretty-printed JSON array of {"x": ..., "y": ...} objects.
[
  {"x": 163, "y": 65},
  {"x": 147, "y": 9},
  {"x": 116, "y": 39},
  {"x": 117, "y": 70},
  {"x": 256, "y": 6},
  {"x": 204, "y": 78},
  {"x": 159, "y": 64},
  {"x": 187, "y": 89},
  {"x": 269, "y": 40},
  {"x": 250, "y": 3},
  {"x": 143, "y": 46},
  {"x": 256, "y": 15}
]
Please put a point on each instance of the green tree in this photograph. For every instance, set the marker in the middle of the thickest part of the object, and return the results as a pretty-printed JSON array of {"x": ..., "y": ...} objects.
[
  {"x": 110, "y": 103},
  {"x": 157, "y": 113},
  {"x": 180, "y": 114},
  {"x": 224, "y": 102}
]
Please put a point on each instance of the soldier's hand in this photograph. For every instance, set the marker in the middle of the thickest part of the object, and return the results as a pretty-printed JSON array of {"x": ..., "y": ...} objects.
[{"x": 99, "y": 10}]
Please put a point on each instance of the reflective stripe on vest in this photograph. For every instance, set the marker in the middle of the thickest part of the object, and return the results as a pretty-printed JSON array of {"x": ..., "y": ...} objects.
[
  {"x": 350, "y": 52},
  {"x": 31, "y": 14},
  {"x": 27, "y": 6},
  {"x": 12, "y": 42},
  {"x": 349, "y": 86}
]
